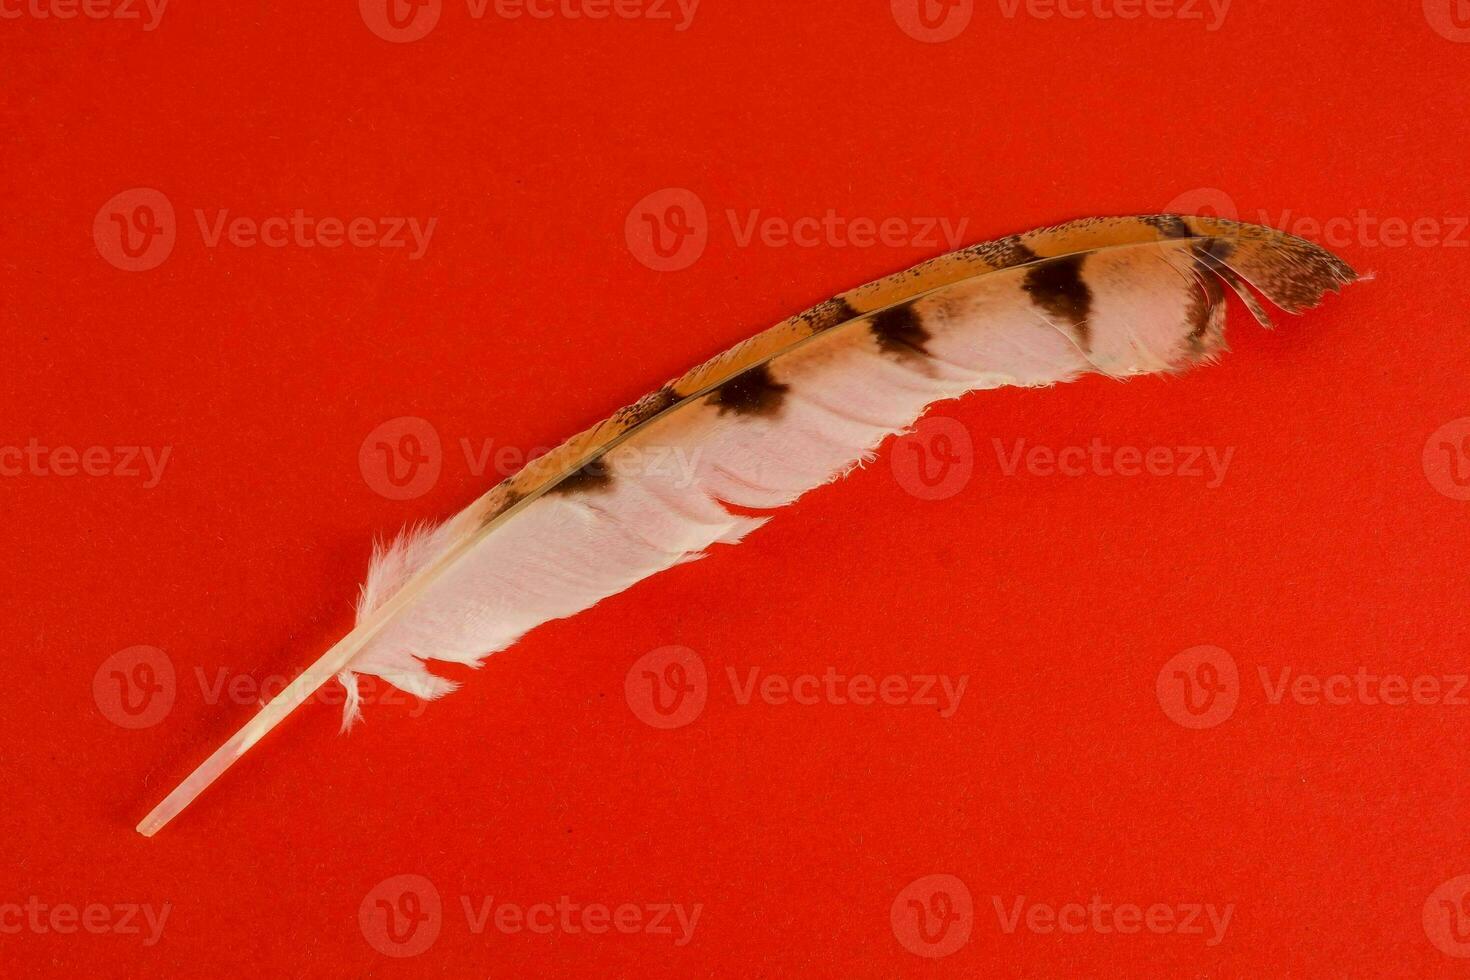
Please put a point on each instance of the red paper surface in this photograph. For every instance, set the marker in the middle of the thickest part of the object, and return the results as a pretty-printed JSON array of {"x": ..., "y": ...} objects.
[{"x": 549, "y": 797}]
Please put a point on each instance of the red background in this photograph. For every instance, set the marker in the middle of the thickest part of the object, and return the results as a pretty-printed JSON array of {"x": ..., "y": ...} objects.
[{"x": 1060, "y": 776}]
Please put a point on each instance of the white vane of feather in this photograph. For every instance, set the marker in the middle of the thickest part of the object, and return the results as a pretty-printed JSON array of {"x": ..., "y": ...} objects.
[{"x": 789, "y": 410}]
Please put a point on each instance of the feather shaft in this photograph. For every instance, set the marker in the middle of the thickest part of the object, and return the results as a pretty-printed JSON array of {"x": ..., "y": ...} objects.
[{"x": 292, "y": 696}]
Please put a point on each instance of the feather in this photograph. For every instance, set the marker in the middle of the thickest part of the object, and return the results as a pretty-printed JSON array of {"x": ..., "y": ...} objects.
[{"x": 791, "y": 409}]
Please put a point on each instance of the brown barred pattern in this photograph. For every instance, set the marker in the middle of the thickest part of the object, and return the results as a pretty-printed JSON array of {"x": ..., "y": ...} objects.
[{"x": 1292, "y": 273}]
